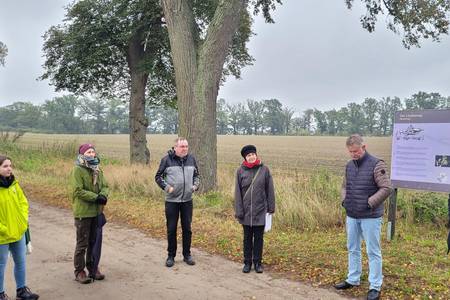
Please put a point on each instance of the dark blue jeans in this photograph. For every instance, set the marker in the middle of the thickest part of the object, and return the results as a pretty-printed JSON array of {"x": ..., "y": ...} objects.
[{"x": 174, "y": 210}]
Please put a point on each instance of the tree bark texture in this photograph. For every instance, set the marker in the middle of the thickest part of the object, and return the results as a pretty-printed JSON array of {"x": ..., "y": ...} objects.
[
  {"x": 139, "y": 152},
  {"x": 198, "y": 70}
]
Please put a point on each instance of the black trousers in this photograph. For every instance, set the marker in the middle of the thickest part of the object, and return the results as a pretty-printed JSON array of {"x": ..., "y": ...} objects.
[
  {"x": 253, "y": 243},
  {"x": 174, "y": 210},
  {"x": 86, "y": 228}
]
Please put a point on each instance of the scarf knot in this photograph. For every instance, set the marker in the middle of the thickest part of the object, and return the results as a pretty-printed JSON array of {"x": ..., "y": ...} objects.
[{"x": 91, "y": 163}]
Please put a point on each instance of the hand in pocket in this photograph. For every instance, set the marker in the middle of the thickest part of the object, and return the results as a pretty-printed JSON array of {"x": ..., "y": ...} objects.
[{"x": 170, "y": 190}]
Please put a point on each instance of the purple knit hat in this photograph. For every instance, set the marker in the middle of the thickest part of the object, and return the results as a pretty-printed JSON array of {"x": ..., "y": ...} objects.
[{"x": 85, "y": 147}]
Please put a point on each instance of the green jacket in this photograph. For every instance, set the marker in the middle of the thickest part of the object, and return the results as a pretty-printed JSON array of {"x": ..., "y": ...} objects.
[
  {"x": 84, "y": 193},
  {"x": 13, "y": 213}
]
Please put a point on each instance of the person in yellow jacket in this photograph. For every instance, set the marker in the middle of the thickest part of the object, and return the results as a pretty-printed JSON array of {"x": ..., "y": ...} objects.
[{"x": 13, "y": 224}]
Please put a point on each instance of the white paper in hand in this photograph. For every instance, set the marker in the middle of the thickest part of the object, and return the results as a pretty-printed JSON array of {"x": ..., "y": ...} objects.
[
  {"x": 29, "y": 248},
  {"x": 268, "y": 225}
]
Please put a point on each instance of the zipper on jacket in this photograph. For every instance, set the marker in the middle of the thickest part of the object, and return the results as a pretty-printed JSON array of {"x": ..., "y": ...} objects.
[
  {"x": 184, "y": 181},
  {"x": 251, "y": 205}
]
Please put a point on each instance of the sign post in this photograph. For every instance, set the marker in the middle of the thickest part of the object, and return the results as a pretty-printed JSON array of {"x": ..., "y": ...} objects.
[
  {"x": 392, "y": 215},
  {"x": 448, "y": 223},
  {"x": 448, "y": 226}
]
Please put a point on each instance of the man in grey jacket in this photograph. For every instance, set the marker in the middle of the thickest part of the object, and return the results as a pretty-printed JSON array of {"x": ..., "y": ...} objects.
[
  {"x": 178, "y": 176},
  {"x": 365, "y": 187}
]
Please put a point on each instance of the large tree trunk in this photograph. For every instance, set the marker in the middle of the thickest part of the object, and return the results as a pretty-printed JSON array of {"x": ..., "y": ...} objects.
[
  {"x": 198, "y": 70},
  {"x": 139, "y": 153}
]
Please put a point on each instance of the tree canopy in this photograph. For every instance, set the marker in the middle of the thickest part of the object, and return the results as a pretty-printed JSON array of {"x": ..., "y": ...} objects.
[
  {"x": 88, "y": 53},
  {"x": 114, "y": 48},
  {"x": 413, "y": 19},
  {"x": 3, "y": 53}
]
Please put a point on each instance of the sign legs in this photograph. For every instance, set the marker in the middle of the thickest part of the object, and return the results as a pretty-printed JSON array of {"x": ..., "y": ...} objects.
[{"x": 392, "y": 215}]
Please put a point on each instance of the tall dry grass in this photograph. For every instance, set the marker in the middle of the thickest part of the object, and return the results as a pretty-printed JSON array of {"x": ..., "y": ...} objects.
[{"x": 302, "y": 201}]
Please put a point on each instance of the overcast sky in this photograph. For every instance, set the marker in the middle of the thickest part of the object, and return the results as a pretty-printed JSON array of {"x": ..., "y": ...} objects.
[{"x": 315, "y": 55}]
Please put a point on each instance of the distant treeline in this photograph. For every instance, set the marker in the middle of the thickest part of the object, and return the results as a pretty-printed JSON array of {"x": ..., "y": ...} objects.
[{"x": 71, "y": 114}]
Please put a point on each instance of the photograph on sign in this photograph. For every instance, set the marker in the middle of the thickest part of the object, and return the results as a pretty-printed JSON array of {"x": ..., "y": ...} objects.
[{"x": 442, "y": 161}]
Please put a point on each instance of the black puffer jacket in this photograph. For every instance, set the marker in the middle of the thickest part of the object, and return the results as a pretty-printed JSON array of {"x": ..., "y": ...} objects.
[{"x": 251, "y": 207}]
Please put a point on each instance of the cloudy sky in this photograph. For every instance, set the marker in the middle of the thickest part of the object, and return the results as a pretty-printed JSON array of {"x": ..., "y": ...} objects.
[{"x": 315, "y": 55}]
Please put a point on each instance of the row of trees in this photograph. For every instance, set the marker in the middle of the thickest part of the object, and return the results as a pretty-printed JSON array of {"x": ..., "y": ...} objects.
[
  {"x": 71, "y": 114},
  {"x": 371, "y": 117},
  {"x": 67, "y": 114}
]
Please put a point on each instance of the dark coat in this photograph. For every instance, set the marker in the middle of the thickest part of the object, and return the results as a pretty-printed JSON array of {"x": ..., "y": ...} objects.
[{"x": 251, "y": 207}]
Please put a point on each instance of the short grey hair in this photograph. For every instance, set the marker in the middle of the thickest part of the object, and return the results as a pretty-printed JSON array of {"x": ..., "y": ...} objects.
[
  {"x": 179, "y": 139},
  {"x": 354, "y": 139}
]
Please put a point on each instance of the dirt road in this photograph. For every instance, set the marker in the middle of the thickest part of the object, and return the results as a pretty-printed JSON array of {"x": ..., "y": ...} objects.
[{"x": 134, "y": 266}]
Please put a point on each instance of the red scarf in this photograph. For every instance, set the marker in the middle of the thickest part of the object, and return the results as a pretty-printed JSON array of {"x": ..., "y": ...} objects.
[{"x": 257, "y": 162}]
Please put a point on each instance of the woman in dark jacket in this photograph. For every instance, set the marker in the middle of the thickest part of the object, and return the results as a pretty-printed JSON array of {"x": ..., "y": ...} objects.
[{"x": 254, "y": 197}]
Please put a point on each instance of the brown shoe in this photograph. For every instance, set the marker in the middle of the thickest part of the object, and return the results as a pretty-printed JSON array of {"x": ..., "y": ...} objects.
[
  {"x": 98, "y": 276},
  {"x": 82, "y": 278}
]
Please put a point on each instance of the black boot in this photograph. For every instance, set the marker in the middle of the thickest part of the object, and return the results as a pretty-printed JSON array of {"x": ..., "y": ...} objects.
[
  {"x": 343, "y": 285},
  {"x": 25, "y": 293},
  {"x": 3, "y": 296},
  {"x": 373, "y": 295},
  {"x": 258, "y": 268},
  {"x": 189, "y": 260},
  {"x": 247, "y": 267},
  {"x": 170, "y": 261}
]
